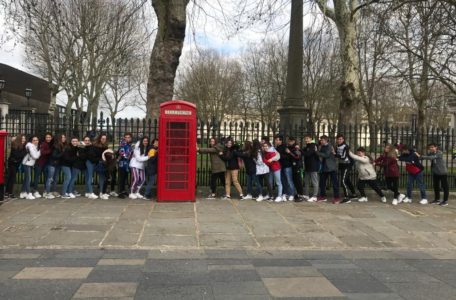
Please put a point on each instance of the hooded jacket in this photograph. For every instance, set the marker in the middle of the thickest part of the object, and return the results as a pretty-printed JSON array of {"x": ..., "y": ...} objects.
[
  {"x": 438, "y": 166},
  {"x": 46, "y": 151},
  {"x": 311, "y": 159},
  {"x": 389, "y": 164},
  {"x": 230, "y": 158},
  {"x": 217, "y": 164},
  {"x": 138, "y": 160},
  {"x": 32, "y": 155},
  {"x": 411, "y": 159},
  {"x": 285, "y": 158},
  {"x": 124, "y": 154},
  {"x": 17, "y": 155},
  {"x": 329, "y": 163},
  {"x": 365, "y": 168},
  {"x": 151, "y": 167},
  {"x": 69, "y": 156}
]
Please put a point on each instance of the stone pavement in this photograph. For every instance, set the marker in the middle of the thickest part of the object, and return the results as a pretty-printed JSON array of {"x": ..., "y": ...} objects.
[{"x": 219, "y": 249}]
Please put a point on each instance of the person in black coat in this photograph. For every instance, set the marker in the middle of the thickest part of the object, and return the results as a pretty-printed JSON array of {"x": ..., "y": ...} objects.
[
  {"x": 17, "y": 154},
  {"x": 151, "y": 168},
  {"x": 248, "y": 155},
  {"x": 296, "y": 166},
  {"x": 286, "y": 172},
  {"x": 311, "y": 168},
  {"x": 69, "y": 156},
  {"x": 232, "y": 168},
  {"x": 54, "y": 166}
]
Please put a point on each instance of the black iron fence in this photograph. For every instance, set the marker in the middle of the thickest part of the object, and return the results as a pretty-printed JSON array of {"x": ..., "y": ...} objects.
[{"x": 373, "y": 139}]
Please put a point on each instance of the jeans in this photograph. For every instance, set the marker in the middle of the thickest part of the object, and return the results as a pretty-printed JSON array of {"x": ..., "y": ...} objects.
[
  {"x": 419, "y": 178},
  {"x": 311, "y": 177},
  {"x": 150, "y": 184},
  {"x": 373, "y": 184},
  {"x": 444, "y": 180},
  {"x": 74, "y": 175},
  {"x": 38, "y": 171},
  {"x": 346, "y": 171},
  {"x": 89, "y": 176},
  {"x": 335, "y": 183},
  {"x": 287, "y": 179},
  {"x": 261, "y": 179},
  {"x": 278, "y": 181},
  {"x": 66, "y": 181},
  {"x": 50, "y": 178},
  {"x": 392, "y": 183},
  {"x": 56, "y": 178},
  {"x": 27, "y": 179},
  {"x": 101, "y": 182},
  {"x": 214, "y": 176}
]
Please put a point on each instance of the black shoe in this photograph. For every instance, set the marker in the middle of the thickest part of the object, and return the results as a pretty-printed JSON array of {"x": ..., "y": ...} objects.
[
  {"x": 435, "y": 202},
  {"x": 443, "y": 203},
  {"x": 299, "y": 198},
  {"x": 12, "y": 196},
  {"x": 346, "y": 200},
  {"x": 122, "y": 196}
]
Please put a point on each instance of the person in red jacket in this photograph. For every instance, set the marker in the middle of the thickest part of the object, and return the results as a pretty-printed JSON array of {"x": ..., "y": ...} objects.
[
  {"x": 271, "y": 159},
  {"x": 42, "y": 163},
  {"x": 388, "y": 161}
]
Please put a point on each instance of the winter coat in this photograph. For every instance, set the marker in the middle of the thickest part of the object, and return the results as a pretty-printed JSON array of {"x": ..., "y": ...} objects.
[
  {"x": 329, "y": 163},
  {"x": 438, "y": 166},
  {"x": 81, "y": 157},
  {"x": 285, "y": 158},
  {"x": 274, "y": 165},
  {"x": 94, "y": 153},
  {"x": 295, "y": 156},
  {"x": 32, "y": 155},
  {"x": 389, "y": 164},
  {"x": 261, "y": 167},
  {"x": 46, "y": 151},
  {"x": 152, "y": 163},
  {"x": 365, "y": 168},
  {"x": 124, "y": 154},
  {"x": 55, "y": 157},
  {"x": 217, "y": 164},
  {"x": 311, "y": 159},
  {"x": 17, "y": 155},
  {"x": 249, "y": 162},
  {"x": 230, "y": 158},
  {"x": 69, "y": 156},
  {"x": 342, "y": 154},
  {"x": 138, "y": 160}
]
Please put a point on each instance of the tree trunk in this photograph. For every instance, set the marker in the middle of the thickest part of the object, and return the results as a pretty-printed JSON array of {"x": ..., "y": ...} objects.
[{"x": 164, "y": 60}]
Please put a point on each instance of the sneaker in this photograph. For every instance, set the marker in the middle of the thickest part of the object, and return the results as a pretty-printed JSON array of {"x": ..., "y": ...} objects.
[
  {"x": 113, "y": 194},
  {"x": 226, "y": 197},
  {"x": 284, "y": 198},
  {"x": 336, "y": 201},
  {"x": 346, "y": 200},
  {"x": 395, "y": 202},
  {"x": 77, "y": 194},
  {"x": 23, "y": 195},
  {"x": 66, "y": 196},
  {"x": 423, "y": 201},
  {"x": 322, "y": 199},
  {"x": 353, "y": 197},
  {"x": 435, "y": 202},
  {"x": 260, "y": 198},
  {"x": 104, "y": 196},
  {"x": 248, "y": 197},
  {"x": 139, "y": 195},
  {"x": 48, "y": 196},
  {"x": 56, "y": 194},
  {"x": 443, "y": 203},
  {"x": 407, "y": 200},
  {"x": 133, "y": 196},
  {"x": 37, "y": 195},
  {"x": 211, "y": 196},
  {"x": 278, "y": 199},
  {"x": 312, "y": 199},
  {"x": 266, "y": 197},
  {"x": 92, "y": 196},
  {"x": 401, "y": 198},
  {"x": 362, "y": 199},
  {"x": 30, "y": 196},
  {"x": 12, "y": 196},
  {"x": 291, "y": 198},
  {"x": 300, "y": 198},
  {"x": 72, "y": 196},
  {"x": 305, "y": 197},
  {"x": 383, "y": 199}
]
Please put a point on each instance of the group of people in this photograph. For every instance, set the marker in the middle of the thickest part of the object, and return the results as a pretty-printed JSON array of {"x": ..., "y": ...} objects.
[
  {"x": 53, "y": 155},
  {"x": 283, "y": 163}
]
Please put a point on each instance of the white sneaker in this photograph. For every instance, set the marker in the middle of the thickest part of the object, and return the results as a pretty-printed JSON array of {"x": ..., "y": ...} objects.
[
  {"x": 312, "y": 199},
  {"x": 114, "y": 194},
  {"x": 260, "y": 198},
  {"x": 291, "y": 198},
  {"x": 30, "y": 196},
  {"x": 384, "y": 199},
  {"x": 400, "y": 198},
  {"x": 362, "y": 199},
  {"x": 56, "y": 194},
  {"x": 23, "y": 195},
  {"x": 284, "y": 198},
  {"x": 423, "y": 201},
  {"x": 37, "y": 195},
  {"x": 407, "y": 200},
  {"x": 306, "y": 198},
  {"x": 87, "y": 195},
  {"x": 48, "y": 196},
  {"x": 139, "y": 196},
  {"x": 266, "y": 197},
  {"x": 248, "y": 197},
  {"x": 66, "y": 196},
  {"x": 104, "y": 196},
  {"x": 395, "y": 202},
  {"x": 133, "y": 196},
  {"x": 92, "y": 196},
  {"x": 72, "y": 196},
  {"x": 279, "y": 199}
]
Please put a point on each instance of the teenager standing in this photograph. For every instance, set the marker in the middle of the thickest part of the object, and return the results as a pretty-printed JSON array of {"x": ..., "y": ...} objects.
[
  {"x": 95, "y": 155},
  {"x": 232, "y": 169},
  {"x": 151, "y": 168},
  {"x": 68, "y": 159},
  {"x": 328, "y": 169},
  {"x": 137, "y": 165},
  {"x": 294, "y": 151},
  {"x": 79, "y": 164},
  {"x": 248, "y": 155},
  {"x": 311, "y": 168},
  {"x": 286, "y": 168},
  {"x": 41, "y": 164},
  {"x": 439, "y": 174},
  {"x": 124, "y": 154},
  {"x": 271, "y": 159},
  {"x": 388, "y": 161},
  {"x": 17, "y": 154},
  {"x": 262, "y": 172},
  {"x": 54, "y": 166},
  {"x": 33, "y": 153},
  {"x": 218, "y": 166},
  {"x": 345, "y": 169},
  {"x": 415, "y": 172}
]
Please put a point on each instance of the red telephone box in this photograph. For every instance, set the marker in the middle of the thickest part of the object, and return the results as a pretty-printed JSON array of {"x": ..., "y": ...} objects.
[
  {"x": 176, "y": 180},
  {"x": 3, "y": 135}
]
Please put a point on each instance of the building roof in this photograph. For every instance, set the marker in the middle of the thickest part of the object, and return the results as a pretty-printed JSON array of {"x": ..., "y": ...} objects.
[{"x": 17, "y": 81}]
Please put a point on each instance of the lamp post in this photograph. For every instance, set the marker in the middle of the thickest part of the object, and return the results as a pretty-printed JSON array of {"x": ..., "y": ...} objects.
[{"x": 28, "y": 94}]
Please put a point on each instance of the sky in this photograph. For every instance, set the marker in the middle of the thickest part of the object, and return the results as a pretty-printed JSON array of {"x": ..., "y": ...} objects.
[{"x": 206, "y": 28}]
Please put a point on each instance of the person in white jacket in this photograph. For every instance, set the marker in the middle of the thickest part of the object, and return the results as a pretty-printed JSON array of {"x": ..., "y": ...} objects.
[
  {"x": 262, "y": 173},
  {"x": 366, "y": 174},
  {"x": 33, "y": 153},
  {"x": 137, "y": 166}
]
